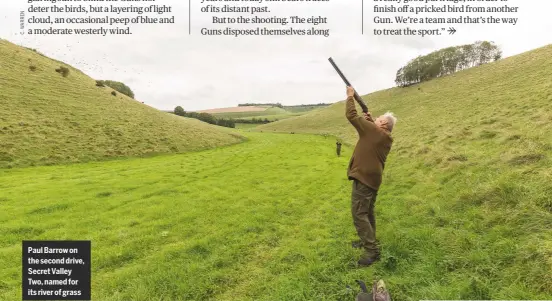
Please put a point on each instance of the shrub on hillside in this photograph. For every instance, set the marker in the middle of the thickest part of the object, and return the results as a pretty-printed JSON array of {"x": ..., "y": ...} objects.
[
  {"x": 113, "y": 93},
  {"x": 99, "y": 83},
  {"x": 119, "y": 87},
  {"x": 32, "y": 67},
  {"x": 63, "y": 71},
  {"x": 206, "y": 117},
  {"x": 179, "y": 111}
]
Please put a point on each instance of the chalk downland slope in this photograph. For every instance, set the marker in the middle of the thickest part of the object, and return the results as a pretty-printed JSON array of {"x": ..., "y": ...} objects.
[
  {"x": 46, "y": 118},
  {"x": 467, "y": 187},
  {"x": 512, "y": 90}
]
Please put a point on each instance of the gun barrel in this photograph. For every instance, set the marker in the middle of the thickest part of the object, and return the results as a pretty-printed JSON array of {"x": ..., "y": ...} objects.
[
  {"x": 339, "y": 72},
  {"x": 357, "y": 97}
]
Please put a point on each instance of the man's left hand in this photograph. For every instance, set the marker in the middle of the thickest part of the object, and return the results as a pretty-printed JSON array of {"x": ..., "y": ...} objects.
[{"x": 350, "y": 91}]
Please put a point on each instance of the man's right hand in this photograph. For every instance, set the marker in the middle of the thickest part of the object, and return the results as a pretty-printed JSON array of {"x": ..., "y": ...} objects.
[
  {"x": 350, "y": 92},
  {"x": 368, "y": 116}
]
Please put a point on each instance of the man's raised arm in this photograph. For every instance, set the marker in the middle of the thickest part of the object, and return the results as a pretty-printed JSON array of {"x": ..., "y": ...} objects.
[{"x": 351, "y": 112}]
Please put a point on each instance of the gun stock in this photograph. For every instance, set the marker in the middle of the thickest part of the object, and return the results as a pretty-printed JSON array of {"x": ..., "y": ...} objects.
[{"x": 356, "y": 96}]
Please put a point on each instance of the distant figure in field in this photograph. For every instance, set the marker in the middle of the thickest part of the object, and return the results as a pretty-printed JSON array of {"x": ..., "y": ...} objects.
[
  {"x": 338, "y": 148},
  {"x": 366, "y": 170}
]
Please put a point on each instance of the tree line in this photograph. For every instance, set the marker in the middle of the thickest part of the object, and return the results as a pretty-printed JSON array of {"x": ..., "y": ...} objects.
[
  {"x": 118, "y": 86},
  {"x": 447, "y": 61},
  {"x": 311, "y": 105},
  {"x": 254, "y": 120},
  {"x": 205, "y": 117},
  {"x": 210, "y": 118}
]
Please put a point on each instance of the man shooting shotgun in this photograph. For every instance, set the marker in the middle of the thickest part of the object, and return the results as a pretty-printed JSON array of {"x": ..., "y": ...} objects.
[{"x": 366, "y": 169}]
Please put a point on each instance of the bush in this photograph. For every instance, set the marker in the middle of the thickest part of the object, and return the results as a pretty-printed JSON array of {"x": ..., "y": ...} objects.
[
  {"x": 229, "y": 123},
  {"x": 206, "y": 117},
  {"x": 119, "y": 87},
  {"x": 179, "y": 111},
  {"x": 32, "y": 67},
  {"x": 113, "y": 93},
  {"x": 99, "y": 83},
  {"x": 63, "y": 71}
]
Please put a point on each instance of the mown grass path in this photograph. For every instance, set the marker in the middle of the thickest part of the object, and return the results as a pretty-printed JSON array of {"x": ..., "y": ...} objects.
[{"x": 268, "y": 219}]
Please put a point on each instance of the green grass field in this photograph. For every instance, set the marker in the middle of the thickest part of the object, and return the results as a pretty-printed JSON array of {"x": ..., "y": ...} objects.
[
  {"x": 464, "y": 211},
  {"x": 235, "y": 224},
  {"x": 275, "y": 117},
  {"x": 46, "y": 118},
  {"x": 246, "y": 125},
  {"x": 267, "y": 112},
  {"x": 271, "y": 118}
]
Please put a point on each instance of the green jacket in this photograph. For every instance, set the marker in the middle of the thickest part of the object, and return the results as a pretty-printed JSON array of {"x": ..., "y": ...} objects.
[{"x": 373, "y": 146}]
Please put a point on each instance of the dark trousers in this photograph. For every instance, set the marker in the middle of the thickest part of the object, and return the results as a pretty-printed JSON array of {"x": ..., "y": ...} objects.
[{"x": 363, "y": 200}]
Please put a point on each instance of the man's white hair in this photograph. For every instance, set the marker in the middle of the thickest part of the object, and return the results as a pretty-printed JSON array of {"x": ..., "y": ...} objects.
[{"x": 392, "y": 120}]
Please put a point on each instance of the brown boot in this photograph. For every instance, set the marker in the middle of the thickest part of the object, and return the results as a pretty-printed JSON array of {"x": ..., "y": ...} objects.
[{"x": 368, "y": 259}]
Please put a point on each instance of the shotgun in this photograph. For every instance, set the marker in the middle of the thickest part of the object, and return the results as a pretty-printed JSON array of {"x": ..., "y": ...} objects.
[{"x": 357, "y": 97}]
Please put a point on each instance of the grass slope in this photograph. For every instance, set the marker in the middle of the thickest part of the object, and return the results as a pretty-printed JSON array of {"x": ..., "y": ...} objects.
[
  {"x": 274, "y": 117},
  {"x": 50, "y": 119},
  {"x": 246, "y": 125},
  {"x": 303, "y": 109}
]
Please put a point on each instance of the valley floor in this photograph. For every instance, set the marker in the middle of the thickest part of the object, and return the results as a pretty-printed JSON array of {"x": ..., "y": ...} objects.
[{"x": 269, "y": 219}]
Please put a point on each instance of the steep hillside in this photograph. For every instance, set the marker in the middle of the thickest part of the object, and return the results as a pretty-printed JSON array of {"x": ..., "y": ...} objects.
[
  {"x": 46, "y": 118},
  {"x": 467, "y": 189},
  {"x": 514, "y": 94}
]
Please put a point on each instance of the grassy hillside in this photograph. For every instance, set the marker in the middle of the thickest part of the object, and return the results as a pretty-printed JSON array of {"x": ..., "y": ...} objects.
[
  {"x": 469, "y": 180},
  {"x": 46, "y": 118},
  {"x": 499, "y": 95},
  {"x": 246, "y": 125},
  {"x": 302, "y": 109}
]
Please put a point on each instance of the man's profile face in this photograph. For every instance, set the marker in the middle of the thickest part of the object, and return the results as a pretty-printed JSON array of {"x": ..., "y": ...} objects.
[{"x": 382, "y": 122}]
